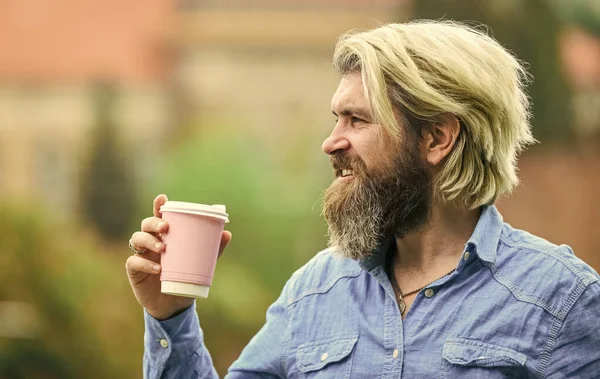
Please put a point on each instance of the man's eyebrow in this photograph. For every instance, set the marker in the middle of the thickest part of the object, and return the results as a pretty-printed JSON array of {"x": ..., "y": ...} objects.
[{"x": 353, "y": 111}]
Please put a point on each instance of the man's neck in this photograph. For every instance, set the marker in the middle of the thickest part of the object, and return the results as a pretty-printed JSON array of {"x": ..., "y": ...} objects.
[{"x": 437, "y": 245}]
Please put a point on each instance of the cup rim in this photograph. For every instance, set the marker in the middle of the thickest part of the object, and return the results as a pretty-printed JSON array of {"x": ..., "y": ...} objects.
[{"x": 216, "y": 210}]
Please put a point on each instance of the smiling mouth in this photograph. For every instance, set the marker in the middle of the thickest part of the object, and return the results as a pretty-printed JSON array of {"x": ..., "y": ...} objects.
[{"x": 345, "y": 173}]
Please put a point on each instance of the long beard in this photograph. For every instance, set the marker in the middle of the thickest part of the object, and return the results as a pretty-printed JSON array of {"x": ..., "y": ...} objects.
[{"x": 363, "y": 212}]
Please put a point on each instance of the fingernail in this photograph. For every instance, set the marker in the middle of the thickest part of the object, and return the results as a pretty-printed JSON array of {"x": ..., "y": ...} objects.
[
  {"x": 158, "y": 246},
  {"x": 156, "y": 268},
  {"x": 160, "y": 225}
]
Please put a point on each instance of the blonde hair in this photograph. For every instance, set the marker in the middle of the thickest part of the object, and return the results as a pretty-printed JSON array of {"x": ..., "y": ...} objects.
[{"x": 426, "y": 70}]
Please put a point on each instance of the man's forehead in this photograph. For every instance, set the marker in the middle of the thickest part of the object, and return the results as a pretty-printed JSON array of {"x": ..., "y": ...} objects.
[{"x": 350, "y": 95}]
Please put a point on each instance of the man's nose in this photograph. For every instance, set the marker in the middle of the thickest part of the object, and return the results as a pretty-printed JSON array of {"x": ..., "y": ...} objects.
[{"x": 335, "y": 143}]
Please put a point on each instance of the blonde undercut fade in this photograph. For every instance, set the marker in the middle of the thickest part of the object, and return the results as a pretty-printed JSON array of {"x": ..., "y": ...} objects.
[{"x": 422, "y": 71}]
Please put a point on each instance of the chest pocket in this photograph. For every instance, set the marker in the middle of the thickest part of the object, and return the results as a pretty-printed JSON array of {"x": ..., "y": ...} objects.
[
  {"x": 329, "y": 358},
  {"x": 469, "y": 359}
]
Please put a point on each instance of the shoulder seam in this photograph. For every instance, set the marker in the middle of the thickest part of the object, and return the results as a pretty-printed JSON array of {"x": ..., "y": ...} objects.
[
  {"x": 500, "y": 278},
  {"x": 321, "y": 290},
  {"x": 584, "y": 279},
  {"x": 293, "y": 297},
  {"x": 558, "y": 325},
  {"x": 559, "y": 313}
]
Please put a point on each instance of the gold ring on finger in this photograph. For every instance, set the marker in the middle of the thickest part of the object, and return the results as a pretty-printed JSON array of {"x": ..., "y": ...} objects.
[{"x": 136, "y": 251}]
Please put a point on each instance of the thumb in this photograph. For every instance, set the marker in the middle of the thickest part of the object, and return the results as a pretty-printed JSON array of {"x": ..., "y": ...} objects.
[{"x": 225, "y": 239}]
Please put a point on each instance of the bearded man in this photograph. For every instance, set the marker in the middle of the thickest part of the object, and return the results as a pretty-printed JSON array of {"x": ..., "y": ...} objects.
[{"x": 422, "y": 279}]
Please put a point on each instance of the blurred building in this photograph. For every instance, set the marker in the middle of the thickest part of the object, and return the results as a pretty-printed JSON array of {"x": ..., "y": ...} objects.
[
  {"x": 52, "y": 56},
  {"x": 242, "y": 64},
  {"x": 181, "y": 65},
  {"x": 262, "y": 70}
]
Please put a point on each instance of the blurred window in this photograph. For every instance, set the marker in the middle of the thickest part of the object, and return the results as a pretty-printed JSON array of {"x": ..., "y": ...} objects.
[{"x": 52, "y": 173}]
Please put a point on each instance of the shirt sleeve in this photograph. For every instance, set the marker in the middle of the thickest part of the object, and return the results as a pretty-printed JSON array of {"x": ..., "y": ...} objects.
[
  {"x": 264, "y": 356},
  {"x": 577, "y": 350},
  {"x": 175, "y": 348}
]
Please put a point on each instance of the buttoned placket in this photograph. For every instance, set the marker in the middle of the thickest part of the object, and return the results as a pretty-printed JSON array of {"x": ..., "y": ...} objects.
[
  {"x": 392, "y": 336},
  {"x": 425, "y": 298}
]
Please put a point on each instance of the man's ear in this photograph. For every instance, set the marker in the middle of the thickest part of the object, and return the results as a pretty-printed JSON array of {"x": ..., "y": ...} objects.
[{"x": 439, "y": 139}]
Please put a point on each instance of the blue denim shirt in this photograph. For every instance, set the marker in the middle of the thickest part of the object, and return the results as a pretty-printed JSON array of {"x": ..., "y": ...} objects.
[{"x": 517, "y": 306}]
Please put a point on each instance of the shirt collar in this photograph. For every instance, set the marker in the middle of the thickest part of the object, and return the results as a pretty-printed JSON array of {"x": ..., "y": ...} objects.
[
  {"x": 485, "y": 237},
  {"x": 379, "y": 257},
  {"x": 483, "y": 241}
]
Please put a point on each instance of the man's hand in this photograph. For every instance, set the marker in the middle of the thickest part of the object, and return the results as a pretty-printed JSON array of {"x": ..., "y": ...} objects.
[{"x": 143, "y": 269}]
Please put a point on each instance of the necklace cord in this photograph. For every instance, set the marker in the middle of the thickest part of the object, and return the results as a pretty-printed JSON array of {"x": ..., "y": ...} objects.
[{"x": 400, "y": 296}]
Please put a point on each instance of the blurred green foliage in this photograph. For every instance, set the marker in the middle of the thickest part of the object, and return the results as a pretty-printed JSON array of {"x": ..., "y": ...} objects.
[
  {"x": 585, "y": 13},
  {"x": 86, "y": 319},
  {"x": 274, "y": 219}
]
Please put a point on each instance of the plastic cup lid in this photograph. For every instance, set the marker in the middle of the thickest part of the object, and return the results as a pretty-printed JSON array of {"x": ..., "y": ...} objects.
[{"x": 216, "y": 210}]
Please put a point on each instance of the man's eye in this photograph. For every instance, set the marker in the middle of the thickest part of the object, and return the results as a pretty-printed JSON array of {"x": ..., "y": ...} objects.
[
  {"x": 336, "y": 121},
  {"x": 356, "y": 120}
]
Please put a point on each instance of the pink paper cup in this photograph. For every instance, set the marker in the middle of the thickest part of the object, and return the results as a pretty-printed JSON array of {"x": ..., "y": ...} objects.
[{"x": 192, "y": 247}]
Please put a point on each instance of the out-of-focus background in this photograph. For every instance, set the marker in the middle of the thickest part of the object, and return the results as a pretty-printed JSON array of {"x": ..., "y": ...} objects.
[{"x": 106, "y": 103}]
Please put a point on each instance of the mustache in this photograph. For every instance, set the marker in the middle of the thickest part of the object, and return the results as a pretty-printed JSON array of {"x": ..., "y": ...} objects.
[{"x": 344, "y": 161}]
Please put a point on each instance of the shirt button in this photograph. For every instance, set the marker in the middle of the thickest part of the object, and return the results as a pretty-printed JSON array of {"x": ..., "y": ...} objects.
[
  {"x": 395, "y": 354},
  {"x": 466, "y": 256},
  {"x": 324, "y": 356},
  {"x": 429, "y": 292},
  {"x": 164, "y": 343}
]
